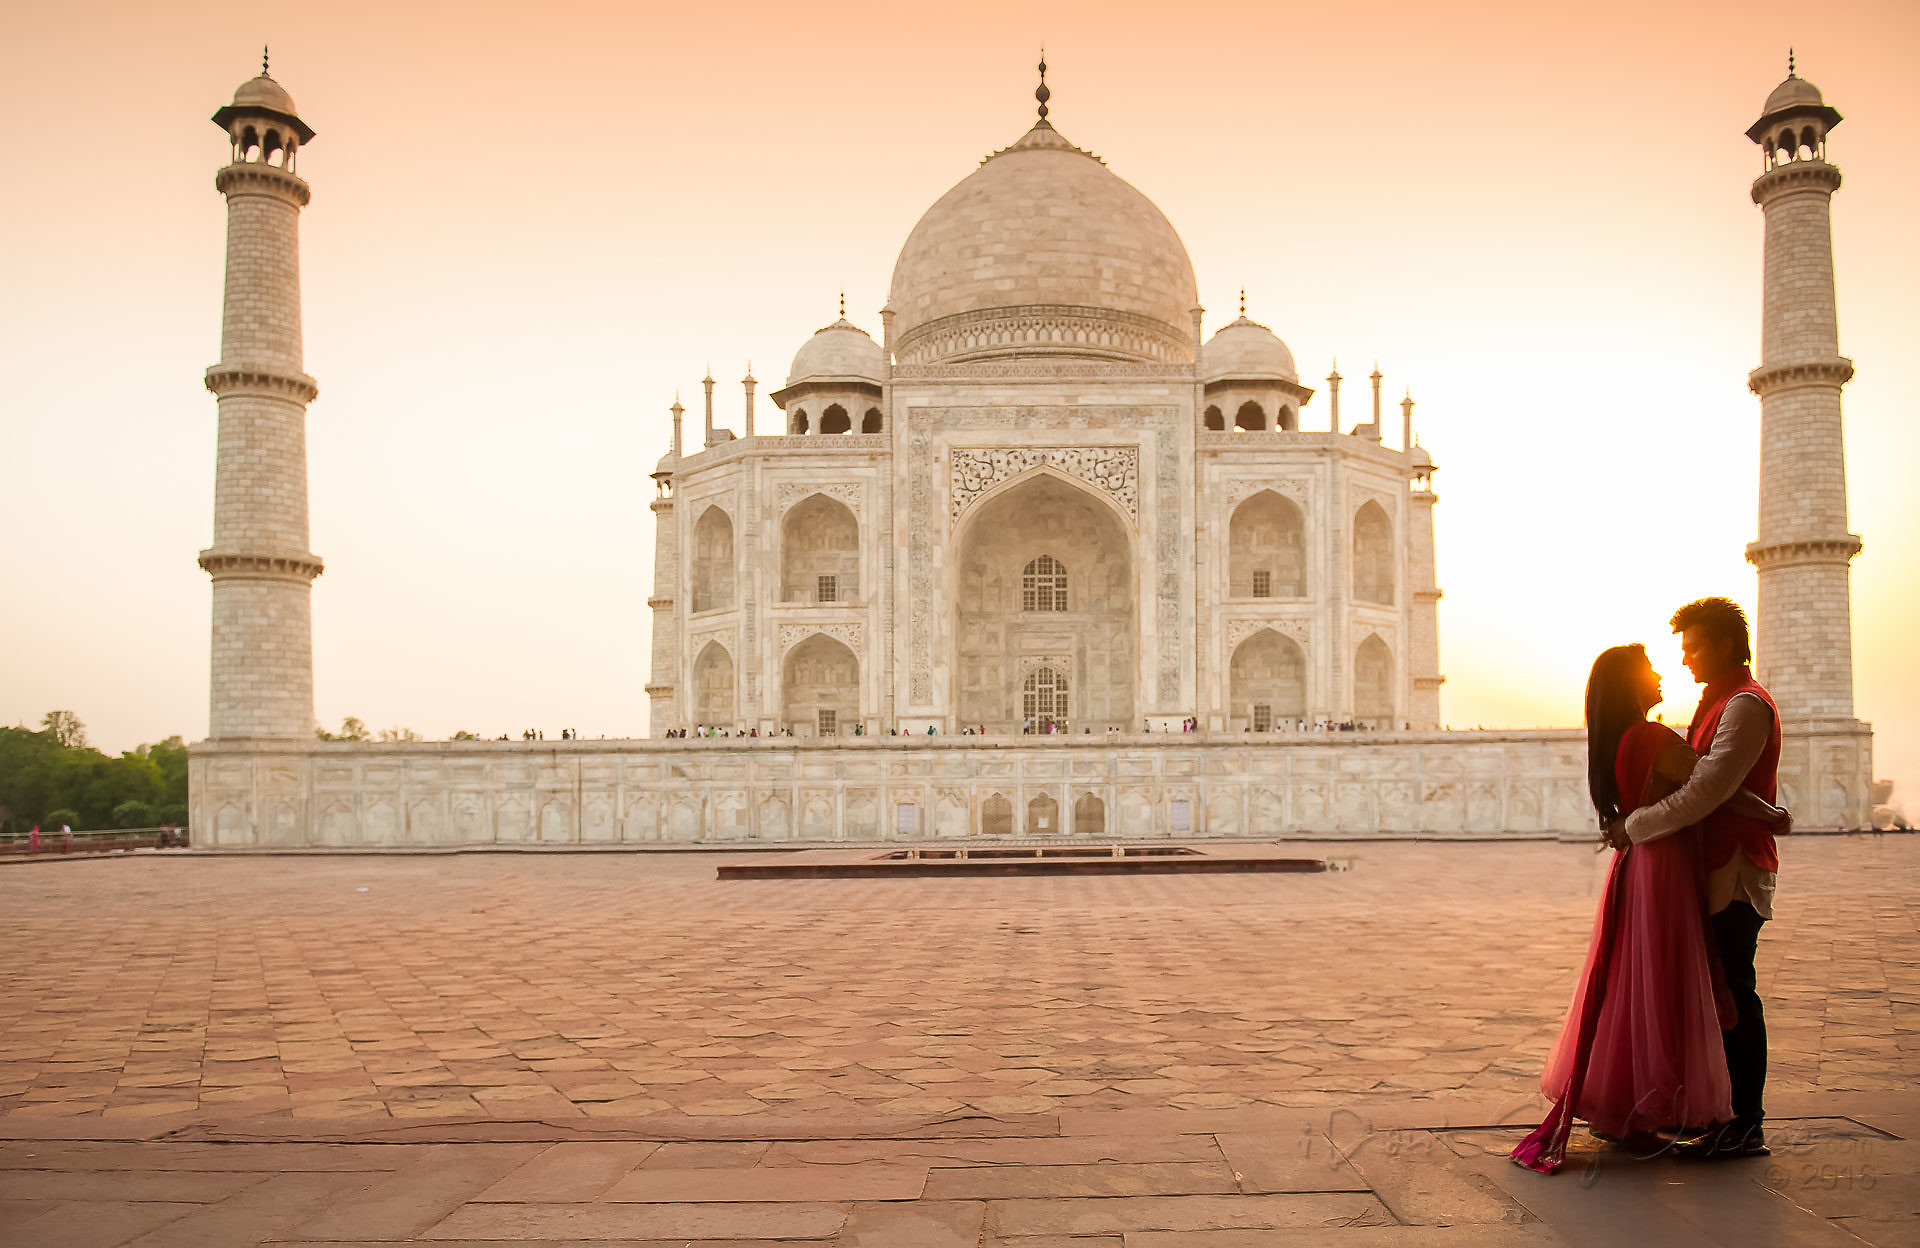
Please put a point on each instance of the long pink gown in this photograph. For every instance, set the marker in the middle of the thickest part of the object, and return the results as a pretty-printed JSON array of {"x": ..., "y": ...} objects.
[{"x": 1640, "y": 1049}]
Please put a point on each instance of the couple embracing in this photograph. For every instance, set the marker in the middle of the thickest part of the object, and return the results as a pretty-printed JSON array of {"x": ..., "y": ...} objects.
[{"x": 1664, "y": 1047}]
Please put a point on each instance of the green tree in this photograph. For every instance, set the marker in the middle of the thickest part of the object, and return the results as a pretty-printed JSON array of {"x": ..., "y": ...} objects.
[
  {"x": 351, "y": 729},
  {"x": 66, "y": 729},
  {"x": 133, "y": 815},
  {"x": 464, "y": 735}
]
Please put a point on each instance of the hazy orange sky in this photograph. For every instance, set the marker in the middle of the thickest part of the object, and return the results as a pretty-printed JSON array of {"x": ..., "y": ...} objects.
[{"x": 532, "y": 224}]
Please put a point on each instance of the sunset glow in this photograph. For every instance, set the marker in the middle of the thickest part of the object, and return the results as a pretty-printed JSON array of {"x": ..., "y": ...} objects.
[{"x": 531, "y": 228}]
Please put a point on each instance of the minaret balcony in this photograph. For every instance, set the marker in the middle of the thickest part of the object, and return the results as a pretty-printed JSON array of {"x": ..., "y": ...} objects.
[
  {"x": 1767, "y": 556},
  {"x": 1771, "y": 378},
  {"x": 224, "y": 379},
  {"x": 259, "y": 178},
  {"x": 295, "y": 568}
]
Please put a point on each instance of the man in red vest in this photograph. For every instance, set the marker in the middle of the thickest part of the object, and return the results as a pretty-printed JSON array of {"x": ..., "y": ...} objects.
[{"x": 1736, "y": 732}]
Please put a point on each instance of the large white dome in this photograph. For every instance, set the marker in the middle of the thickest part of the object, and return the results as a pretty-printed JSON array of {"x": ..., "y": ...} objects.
[{"x": 1043, "y": 250}]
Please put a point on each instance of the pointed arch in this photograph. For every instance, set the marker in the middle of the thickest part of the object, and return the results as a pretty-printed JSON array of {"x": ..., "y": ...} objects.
[
  {"x": 1043, "y": 816},
  {"x": 1215, "y": 418},
  {"x": 819, "y": 552},
  {"x": 1267, "y": 548},
  {"x": 797, "y": 423},
  {"x": 996, "y": 816},
  {"x": 714, "y": 703},
  {"x": 1250, "y": 416},
  {"x": 872, "y": 422},
  {"x": 1092, "y": 642},
  {"x": 713, "y": 561},
  {"x": 1373, "y": 683},
  {"x": 1373, "y": 578},
  {"x": 835, "y": 420},
  {"x": 1267, "y": 682},
  {"x": 1089, "y": 816},
  {"x": 820, "y": 688}
]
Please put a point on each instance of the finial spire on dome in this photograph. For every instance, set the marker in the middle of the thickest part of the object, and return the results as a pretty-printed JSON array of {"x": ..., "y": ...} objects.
[
  {"x": 263, "y": 61},
  {"x": 843, "y": 303},
  {"x": 1041, "y": 93},
  {"x": 1790, "y": 72},
  {"x": 1243, "y": 301}
]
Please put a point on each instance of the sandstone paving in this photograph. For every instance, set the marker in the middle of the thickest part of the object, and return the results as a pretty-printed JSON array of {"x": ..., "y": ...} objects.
[{"x": 520, "y": 1050}]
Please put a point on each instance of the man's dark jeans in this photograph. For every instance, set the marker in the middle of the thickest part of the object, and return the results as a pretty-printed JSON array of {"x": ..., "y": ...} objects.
[{"x": 1736, "y": 933}]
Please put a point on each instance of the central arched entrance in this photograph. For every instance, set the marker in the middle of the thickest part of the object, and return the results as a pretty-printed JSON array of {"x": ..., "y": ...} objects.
[{"x": 1044, "y": 612}]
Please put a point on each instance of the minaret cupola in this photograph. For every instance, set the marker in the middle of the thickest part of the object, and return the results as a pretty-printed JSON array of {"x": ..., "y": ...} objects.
[
  {"x": 1794, "y": 122},
  {"x": 262, "y": 123}
]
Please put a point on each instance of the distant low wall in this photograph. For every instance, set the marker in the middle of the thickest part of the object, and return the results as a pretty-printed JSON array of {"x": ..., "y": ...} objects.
[{"x": 268, "y": 794}]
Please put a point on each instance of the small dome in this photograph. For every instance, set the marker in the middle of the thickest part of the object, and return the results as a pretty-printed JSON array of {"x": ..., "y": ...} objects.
[
  {"x": 1246, "y": 349},
  {"x": 666, "y": 465},
  {"x": 842, "y": 349},
  {"x": 1793, "y": 93},
  {"x": 264, "y": 92},
  {"x": 1420, "y": 457}
]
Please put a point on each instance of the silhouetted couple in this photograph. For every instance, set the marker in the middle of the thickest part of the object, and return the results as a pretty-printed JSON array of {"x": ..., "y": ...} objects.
[{"x": 1664, "y": 1047}]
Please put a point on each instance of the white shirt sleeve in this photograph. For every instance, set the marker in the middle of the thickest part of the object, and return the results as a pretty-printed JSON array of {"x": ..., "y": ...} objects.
[{"x": 1737, "y": 744}]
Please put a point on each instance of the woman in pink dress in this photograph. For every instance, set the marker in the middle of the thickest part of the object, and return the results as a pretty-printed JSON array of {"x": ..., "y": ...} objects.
[{"x": 1640, "y": 1052}]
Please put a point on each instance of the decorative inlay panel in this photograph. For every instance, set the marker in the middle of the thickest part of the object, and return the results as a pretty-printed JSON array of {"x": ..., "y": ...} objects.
[
  {"x": 847, "y": 492},
  {"x": 1113, "y": 470},
  {"x": 1297, "y": 488},
  {"x": 1241, "y": 629},
  {"x": 849, "y": 632}
]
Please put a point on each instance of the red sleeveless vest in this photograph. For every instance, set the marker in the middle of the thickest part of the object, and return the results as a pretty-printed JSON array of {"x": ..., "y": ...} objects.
[{"x": 1725, "y": 831}]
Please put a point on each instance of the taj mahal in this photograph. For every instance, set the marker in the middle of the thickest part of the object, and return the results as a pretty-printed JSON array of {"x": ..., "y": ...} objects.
[{"x": 1037, "y": 556}]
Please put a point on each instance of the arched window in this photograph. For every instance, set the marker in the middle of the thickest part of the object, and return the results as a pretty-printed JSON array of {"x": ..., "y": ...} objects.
[
  {"x": 713, "y": 561},
  {"x": 1267, "y": 681},
  {"x": 820, "y": 688},
  {"x": 1285, "y": 419},
  {"x": 870, "y": 423},
  {"x": 1373, "y": 556},
  {"x": 1250, "y": 416},
  {"x": 713, "y": 702},
  {"x": 1216, "y": 419},
  {"x": 1089, "y": 816},
  {"x": 1267, "y": 549},
  {"x": 1043, "y": 586},
  {"x": 1043, "y": 816},
  {"x": 996, "y": 816},
  {"x": 835, "y": 420},
  {"x": 819, "y": 552},
  {"x": 1045, "y": 696},
  {"x": 1373, "y": 683},
  {"x": 799, "y": 422}
]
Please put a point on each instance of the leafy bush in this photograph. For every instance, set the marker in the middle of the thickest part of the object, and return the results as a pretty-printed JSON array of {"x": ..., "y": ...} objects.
[
  {"x": 174, "y": 816},
  {"x": 58, "y": 818},
  {"x": 134, "y": 814}
]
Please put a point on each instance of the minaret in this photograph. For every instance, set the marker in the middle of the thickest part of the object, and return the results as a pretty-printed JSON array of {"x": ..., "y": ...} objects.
[
  {"x": 749, "y": 383},
  {"x": 262, "y": 673},
  {"x": 663, "y": 708},
  {"x": 1803, "y": 623},
  {"x": 1333, "y": 397},
  {"x": 1406, "y": 421}
]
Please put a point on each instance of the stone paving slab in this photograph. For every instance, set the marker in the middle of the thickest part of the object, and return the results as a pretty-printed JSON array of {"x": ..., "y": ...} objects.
[{"x": 556, "y": 1051}]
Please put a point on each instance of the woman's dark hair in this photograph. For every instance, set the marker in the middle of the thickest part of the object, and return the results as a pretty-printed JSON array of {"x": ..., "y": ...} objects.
[{"x": 1613, "y": 706}]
